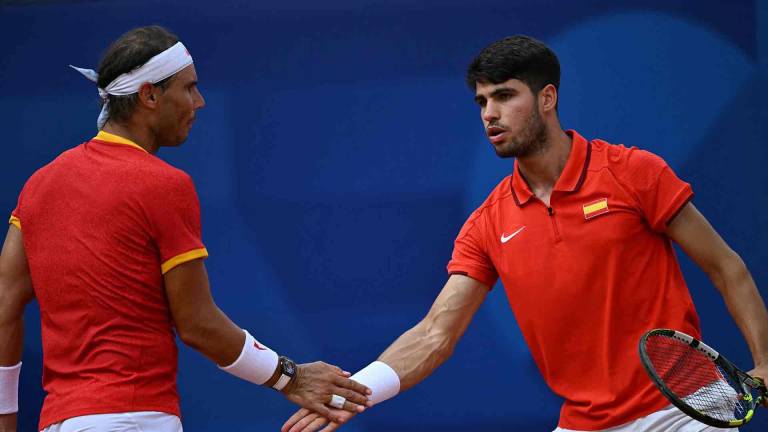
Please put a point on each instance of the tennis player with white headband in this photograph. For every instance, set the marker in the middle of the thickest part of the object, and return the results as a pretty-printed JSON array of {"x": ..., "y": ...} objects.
[{"x": 133, "y": 269}]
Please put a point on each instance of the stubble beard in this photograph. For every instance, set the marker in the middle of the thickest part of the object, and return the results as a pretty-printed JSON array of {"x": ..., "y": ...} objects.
[{"x": 532, "y": 139}]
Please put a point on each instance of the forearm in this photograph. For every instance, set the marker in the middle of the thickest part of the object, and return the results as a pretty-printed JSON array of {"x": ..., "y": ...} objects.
[
  {"x": 745, "y": 305},
  {"x": 417, "y": 353},
  {"x": 215, "y": 336},
  {"x": 12, "y": 335},
  {"x": 420, "y": 350}
]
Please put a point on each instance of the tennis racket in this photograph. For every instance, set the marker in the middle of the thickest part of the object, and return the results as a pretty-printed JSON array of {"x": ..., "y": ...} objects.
[{"x": 698, "y": 380}]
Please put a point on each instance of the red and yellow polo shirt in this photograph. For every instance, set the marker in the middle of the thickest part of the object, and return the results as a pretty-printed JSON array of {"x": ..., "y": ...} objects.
[
  {"x": 587, "y": 276},
  {"x": 101, "y": 225}
]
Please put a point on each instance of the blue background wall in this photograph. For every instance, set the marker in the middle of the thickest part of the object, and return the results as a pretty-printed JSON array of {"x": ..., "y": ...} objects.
[{"x": 340, "y": 152}]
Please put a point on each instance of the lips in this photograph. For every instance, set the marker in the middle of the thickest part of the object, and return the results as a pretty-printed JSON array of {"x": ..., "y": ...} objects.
[
  {"x": 496, "y": 134},
  {"x": 494, "y": 130}
]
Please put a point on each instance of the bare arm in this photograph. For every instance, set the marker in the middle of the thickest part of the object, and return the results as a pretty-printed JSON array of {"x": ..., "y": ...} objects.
[
  {"x": 199, "y": 322},
  {"x": 730, "y": 275},
  {"x": 204, "y": 327},
  {"x": 15, "y": 293},
  {"x": 420, "y": 350}
]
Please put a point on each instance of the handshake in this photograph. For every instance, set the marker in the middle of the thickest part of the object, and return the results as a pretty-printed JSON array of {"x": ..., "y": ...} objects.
[{"x": 330, "y": 396}]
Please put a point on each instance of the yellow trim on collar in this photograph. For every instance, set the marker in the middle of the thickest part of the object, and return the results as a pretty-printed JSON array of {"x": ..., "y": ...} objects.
[
  {"x": 182, "y": 258},
  {"x": 112, "y": 138},
  {"x": 15, "y": 222}
]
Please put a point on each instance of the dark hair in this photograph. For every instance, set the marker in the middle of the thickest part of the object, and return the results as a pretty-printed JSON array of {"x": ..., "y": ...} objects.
[
  {"x": 129, "y": 52},
  {"x": 515, "y": 57}
]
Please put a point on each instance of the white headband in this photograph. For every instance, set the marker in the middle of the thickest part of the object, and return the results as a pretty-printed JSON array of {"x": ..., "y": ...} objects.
[{"x": 158, "y": 68}]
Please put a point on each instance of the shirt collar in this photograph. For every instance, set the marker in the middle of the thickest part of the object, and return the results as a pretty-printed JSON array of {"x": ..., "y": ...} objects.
[
  {"x": 116, "y": 139},
  {"x": 572, "y": 177}
]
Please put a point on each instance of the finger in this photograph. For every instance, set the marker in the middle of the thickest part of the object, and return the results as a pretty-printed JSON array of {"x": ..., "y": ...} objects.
[
  {"x": 353, "y": 385},
  {"x": 316, "y": 425},
  {"x": 297, "y": 416},
  {"x": 340, "y": 372},
  {"x": 304, "y": 422},
  {"x": 354, "y": 398},
  {"x": 331, "y": 427},
  {"x": 325, "y": 412}
]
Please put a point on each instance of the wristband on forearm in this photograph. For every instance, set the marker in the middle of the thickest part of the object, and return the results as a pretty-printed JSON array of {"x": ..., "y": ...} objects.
[
  {"x": 381, "y": 379},
  {"x": 9, "y": 389},
  {"x": 256, "y": 362}
]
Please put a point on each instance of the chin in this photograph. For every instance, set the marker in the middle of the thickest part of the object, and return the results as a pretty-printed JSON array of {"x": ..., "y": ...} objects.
[
  {"x": 506, "y": 150},
  {"x": 181, "y": 140}
]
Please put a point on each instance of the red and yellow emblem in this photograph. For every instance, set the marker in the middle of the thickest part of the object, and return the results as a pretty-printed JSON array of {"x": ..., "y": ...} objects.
[{"x": 596, "y": 208}]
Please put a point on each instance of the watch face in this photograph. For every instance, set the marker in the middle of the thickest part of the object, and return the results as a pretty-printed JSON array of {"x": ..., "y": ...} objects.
[{"x": 289, "y": 367}]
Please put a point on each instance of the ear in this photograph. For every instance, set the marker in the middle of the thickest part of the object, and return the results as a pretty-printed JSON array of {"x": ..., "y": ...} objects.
[
  {"x": 548, "y": 98},
  {"x": 148, "y": 95}
]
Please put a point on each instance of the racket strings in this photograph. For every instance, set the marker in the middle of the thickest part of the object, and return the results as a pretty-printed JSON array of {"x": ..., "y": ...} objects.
[{"x": 694, "y": 378}]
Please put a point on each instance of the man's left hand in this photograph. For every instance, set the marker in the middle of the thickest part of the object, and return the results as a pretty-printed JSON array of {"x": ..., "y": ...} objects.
[{"x": 305, "y": 420}]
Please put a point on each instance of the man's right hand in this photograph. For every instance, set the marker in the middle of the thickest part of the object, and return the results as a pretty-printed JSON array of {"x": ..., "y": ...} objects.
[
  {"x": 315, "y": 384},
  {"x": 8, "y": 422}
]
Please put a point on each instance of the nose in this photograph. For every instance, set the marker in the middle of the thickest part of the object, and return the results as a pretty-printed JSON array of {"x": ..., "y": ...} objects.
[
  {"x": 490, "y": 112},
  {"x": 199, "y": 99}
]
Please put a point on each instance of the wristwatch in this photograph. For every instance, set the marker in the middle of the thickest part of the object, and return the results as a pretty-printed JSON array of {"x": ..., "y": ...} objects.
[{"x": 287, "y": 372}]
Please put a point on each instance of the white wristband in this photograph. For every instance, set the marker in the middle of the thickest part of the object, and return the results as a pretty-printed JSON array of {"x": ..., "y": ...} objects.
[
  {"x": 256, "y": 363},
  {"x": 381, "y": 379},
  {"x": 9, "y": 389}
]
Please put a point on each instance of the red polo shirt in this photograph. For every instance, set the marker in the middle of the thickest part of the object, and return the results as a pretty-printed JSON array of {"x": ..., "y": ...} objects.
[
  {"x": 101, "y": 224},
  {"x": 587, "y": 276}
]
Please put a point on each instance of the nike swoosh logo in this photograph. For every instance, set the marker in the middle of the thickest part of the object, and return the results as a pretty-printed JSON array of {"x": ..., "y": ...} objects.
[{"x": 505, "y": 238}]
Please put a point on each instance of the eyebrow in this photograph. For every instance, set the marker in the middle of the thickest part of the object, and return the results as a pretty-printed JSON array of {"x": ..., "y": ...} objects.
[
  {"x": 496, "y": 92},
  {"x": 503, "y": 90}
]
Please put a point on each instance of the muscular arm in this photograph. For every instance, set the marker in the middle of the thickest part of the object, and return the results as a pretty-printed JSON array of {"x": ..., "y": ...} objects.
[
  {"x": 204, "y": 327},
  {"x": 729, "y": 274},
  {"x": 199, "y": 322},
  {"x": 420, "y": 350},
  {"x": 15, "y": 292}
]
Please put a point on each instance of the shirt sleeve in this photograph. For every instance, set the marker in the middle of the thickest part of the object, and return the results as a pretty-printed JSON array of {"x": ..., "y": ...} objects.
[
  {"x": 175, "y": 219},
  {"x": 660, "y": 193},
  {"x": 470, "y": 257},
  {"x": 15, "y": 218}
]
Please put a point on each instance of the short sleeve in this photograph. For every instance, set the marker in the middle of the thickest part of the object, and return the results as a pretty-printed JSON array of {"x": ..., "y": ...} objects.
[
  {"x": 660, "y": 193},
  {"x": 175, "y": 219},
  {"x": 15, "y": 218},
  {"x": 470, "y": 257}
]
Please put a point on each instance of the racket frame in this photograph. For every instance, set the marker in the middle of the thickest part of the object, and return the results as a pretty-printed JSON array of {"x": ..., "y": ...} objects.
[{"x": 746, "y": 382}]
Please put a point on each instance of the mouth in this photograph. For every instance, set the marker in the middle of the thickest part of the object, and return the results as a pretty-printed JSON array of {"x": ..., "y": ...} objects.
[{"x": 496, "y": 134}]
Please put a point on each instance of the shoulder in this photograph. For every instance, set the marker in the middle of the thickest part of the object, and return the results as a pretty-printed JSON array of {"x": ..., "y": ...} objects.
[
  {"x": 631, "y": 165},
  {"x": 169, "y": 173},
  {"x": 45, "y": 171},
  {"x": 165, "y": 182},
  {"x": 499, "y": 194}
]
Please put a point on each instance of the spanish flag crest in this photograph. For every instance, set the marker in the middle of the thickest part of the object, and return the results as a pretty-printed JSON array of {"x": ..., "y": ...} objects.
[{"x": 596, "y": 208}]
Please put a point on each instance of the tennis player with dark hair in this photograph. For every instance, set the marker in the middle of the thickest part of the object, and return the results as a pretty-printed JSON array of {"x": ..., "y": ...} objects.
[
  {"x": 581, "y": 236},
  {"x": 107, "y": 237}
]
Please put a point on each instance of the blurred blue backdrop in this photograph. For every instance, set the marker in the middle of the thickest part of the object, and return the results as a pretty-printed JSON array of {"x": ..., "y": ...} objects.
[{"x": 340, "y": 152}]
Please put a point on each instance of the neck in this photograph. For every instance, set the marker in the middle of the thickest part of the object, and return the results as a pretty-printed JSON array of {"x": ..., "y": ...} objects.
[
  {"x": 141, "y": 135},
  {"x": 542, "y": 170}
]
